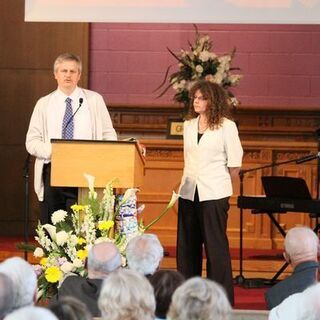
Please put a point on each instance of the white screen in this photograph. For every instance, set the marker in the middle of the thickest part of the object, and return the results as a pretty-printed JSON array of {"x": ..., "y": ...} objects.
[{"x": 175, "y": 11}]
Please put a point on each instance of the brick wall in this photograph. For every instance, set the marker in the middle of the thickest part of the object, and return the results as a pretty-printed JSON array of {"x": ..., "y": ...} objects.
[{"x": 280, "y": 63}]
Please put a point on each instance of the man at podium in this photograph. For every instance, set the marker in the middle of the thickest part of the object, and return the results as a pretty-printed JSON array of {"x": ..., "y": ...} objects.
[{"x": 69, "y": 112}]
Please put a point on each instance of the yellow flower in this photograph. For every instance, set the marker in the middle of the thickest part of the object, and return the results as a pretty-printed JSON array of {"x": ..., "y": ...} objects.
[
  {"x": 81, "y": 241},
  {"x": 82, "y": 254},
  {"x": 105, "y": 225},
  {"x": 43, "y": 261},
  {"x": 53, "y": 274},
  {"x": 77, "y": 208}
]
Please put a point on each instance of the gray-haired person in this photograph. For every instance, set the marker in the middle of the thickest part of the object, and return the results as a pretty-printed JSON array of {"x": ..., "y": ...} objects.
[
  {"x": 144, "y": 254},
  {"x": 126, "y": 294},
  {"x": 6, "y": 295},
  {"x": 103, "y": 259},
  {"x": 301, "y": 252},
  {"x": 31, "y": 313},
  {"x": 24, "y": 281},
  {"x": 200, "y": 299}
]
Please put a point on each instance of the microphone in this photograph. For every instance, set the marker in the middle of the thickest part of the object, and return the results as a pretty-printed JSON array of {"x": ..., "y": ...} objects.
[
  {"x": 80, "y": 104},
  {"x": 308, "y": 158}
]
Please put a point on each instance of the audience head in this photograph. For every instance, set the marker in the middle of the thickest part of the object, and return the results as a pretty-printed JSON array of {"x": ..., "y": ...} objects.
[
  {"x": 103, "y": 258},
  {"x": 164, "y": 284},
  {"x": 24, "y": 280},
  {"x": 31, "y": 313},
  {"x": 301, "y": 244},
  {"x": 126, "y": 294},
  {"x": 199, "y": 299},
  {"x": 144, "y": 253},
  {"x": 69, "y": 308},
  {"x": 6, "y": 295}
]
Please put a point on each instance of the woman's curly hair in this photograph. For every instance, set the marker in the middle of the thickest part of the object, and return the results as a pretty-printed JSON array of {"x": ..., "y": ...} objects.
[{"x": 218, "y": 106}]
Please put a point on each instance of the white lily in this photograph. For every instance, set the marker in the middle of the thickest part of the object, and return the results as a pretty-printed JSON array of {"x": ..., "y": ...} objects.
[
  {"x": 51, "y": 230},
  {"x": 128, "y": 194},
  {"x": 90, "y": 180},
  {"x": 174, "y": 198}
]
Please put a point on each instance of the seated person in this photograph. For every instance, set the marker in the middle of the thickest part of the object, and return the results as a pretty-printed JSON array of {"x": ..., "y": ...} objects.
[
  {"x": 24, "y": 281},
  {"x": 200, "y": 299},
  {"x": 299, "y": 306},
  {"x": 126, "y": 295},
  {"x": 69, "y": 308},
  {"x": 103, "y": 259},
  {"x": 164, "y": 283},
  {"x": 144, "y": 254},
  {"x": 301, "y": 252},
  {"x": 31, "y": 313},
  {"x": 6, "y": 295}
]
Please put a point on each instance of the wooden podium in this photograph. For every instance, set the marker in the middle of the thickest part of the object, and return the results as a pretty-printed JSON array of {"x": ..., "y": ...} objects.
[{"x": 105, "y": 160}]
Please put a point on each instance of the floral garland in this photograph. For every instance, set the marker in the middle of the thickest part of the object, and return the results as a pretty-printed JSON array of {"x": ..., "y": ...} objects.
[
  {"x": 64, "y": 244},
  {"x": 199, "y": 62}
]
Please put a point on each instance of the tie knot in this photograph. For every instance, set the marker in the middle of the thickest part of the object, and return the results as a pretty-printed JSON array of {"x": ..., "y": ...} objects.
[{"x": 68, "y": 100}]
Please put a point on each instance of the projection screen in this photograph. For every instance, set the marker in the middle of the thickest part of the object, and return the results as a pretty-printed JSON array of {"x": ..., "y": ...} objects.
[{"x": 175, "y": 11}]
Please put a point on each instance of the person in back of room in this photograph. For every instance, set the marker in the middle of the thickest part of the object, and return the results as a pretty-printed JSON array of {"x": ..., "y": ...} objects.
[
  {"x": 301, "y": 246},
  {"x": 212, "y": 156},
  {"x": 69, "y": 112}
]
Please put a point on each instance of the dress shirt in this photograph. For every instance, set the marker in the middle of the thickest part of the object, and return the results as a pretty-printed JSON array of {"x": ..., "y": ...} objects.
[{"x": 206, "y": 163}]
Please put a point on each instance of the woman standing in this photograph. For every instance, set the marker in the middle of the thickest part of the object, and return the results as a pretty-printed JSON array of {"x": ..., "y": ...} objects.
[{"x": 212, "y": 155}]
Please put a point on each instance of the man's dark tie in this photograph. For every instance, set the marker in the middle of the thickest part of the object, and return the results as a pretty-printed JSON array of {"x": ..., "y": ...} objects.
[{"x": 67, "y": 124}]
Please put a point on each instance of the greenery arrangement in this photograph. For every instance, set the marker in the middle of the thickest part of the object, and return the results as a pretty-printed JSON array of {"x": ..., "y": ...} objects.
[
  {"x": 199, "y": 62},
  {"x": 64, "y": 244}
]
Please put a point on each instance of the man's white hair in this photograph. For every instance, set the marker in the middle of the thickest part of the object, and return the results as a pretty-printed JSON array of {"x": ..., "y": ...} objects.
[
  {"x": 126, "y": 294},
  {"x": 144, "y": 253},
  {"x": 24, "y": 280},
  {"x": 31, "y": 313},
  {"x": 301, "y": 244},
  {"x": 199, "y": 299}
]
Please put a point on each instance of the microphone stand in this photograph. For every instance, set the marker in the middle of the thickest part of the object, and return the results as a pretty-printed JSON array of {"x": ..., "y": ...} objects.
[
  {"x": 26, "y": 202},
  {"x": 240, "y": 279}
]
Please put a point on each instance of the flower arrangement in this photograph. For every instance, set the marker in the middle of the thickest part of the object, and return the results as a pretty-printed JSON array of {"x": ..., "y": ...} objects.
[
  {"x": 199, "y": 62},
  {"x": 65, "y": 243}
]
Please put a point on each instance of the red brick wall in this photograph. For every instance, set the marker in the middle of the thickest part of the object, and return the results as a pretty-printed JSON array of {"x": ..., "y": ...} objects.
[{"x": 280, "y": 63}]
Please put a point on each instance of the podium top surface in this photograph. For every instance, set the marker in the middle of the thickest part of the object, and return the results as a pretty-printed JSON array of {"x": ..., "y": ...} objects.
[{"x": 104, "y": 159}]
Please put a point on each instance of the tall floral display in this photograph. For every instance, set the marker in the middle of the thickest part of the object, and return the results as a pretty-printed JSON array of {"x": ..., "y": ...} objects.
[
  {"x": 64, "y": 244},
  {"x": 199, "y": 62}
]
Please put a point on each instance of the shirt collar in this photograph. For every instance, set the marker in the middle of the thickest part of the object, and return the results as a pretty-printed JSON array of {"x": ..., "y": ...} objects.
[{"x": 74, "y": 95}]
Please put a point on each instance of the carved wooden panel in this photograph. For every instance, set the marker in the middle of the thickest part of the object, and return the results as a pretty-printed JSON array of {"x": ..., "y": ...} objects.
[
  {"x": 164, "y": 170},
  {"x": 254, "y": 123}
]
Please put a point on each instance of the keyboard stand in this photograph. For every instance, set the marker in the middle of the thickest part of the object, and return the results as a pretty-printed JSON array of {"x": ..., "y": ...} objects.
[{"x": 283, "y": 233}]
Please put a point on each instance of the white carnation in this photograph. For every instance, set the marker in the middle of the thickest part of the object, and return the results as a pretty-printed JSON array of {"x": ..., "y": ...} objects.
[
  {"x": 218, "y": 77},
  {"x": 73, "y": 240},
  {"x": 204, "y": 56},
  {"x": 58, "y": 216},
  {"x": 77, "y": 263},
  {"x": 67, "y": 267},
  {"x": 61, "y": 238},
  {"x": 38, "y": 252}
]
